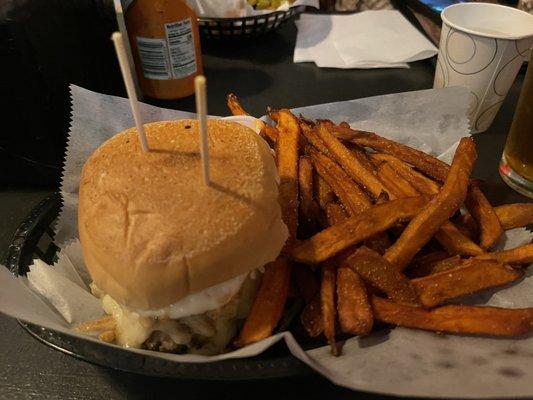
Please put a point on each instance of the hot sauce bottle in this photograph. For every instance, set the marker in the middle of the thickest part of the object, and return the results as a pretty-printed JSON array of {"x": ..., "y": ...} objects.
[{"x": 165, "y": 45}]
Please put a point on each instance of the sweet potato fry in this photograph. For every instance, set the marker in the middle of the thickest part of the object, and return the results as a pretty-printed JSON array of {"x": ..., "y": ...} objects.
[
  {"x": 424, "y": 162},
  {"x": 510, "y": 215},
  {"x": 268, "y": 305},
  {"x": 518, "y": 255},
  {"x": 311, "y": 318},
  {"x": 310, "y": 213},
  {"x": 455, "y": 242},
  {"x": 355, "y": 312},
  {"x": 421, "y": 264},
  {"x": 382, "y": 198},
  {"x": 349, "y": 163},
  {"x": 306, "y": 121},
  {"x": 515, "y": 215},
  {"x": 375, "y": 270},
  {"x": 234, "y": 105},
  {"x": 313, "y": 139},
  {"x": 481, "y": 210},
  {"x": 335, "y": 214},
  {"x": 272, "y": 295},
  {"x": 363, "y": 158},
  {"x": 456, "y": 319},
  {"x": 270, "y": 134},
  {"x": 419, "y": 181},
  {"x": 473, "y": 276},
  {"x": 451, "y": 238},
  {"x": 395, "y": 184},
  {"x": 432, "y": 267},
  {"x": 305, "y": 178},
  {"x": 287, "y": 160},
  {"x": 306, "y": 282},
  {"x": 327, "y": 300},
  {"x": 446, "y": 265},
  {"x": 476, "y": 202},
  {"x": 106, "y": 323},
  {"x": 353, "y": 198},
  {"x": 107, "y": 336},
  {"x": 273, "y": 114},
  {"x": 422, "y": 228},
  {"x": 377, "y": 218},
  {"x": 323, "y": 191}
]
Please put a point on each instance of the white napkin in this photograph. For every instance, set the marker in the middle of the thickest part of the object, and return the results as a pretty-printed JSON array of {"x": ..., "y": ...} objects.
[{"x": 370, "y": 39}]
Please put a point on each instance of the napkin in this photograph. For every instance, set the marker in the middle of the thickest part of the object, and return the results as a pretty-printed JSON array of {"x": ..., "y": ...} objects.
[{"x": 370, "y": 39}]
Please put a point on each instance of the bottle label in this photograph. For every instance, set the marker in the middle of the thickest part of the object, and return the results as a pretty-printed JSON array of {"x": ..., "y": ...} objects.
[
  {"x": 181, "y": 46},
  {"x": 171, "y": 58},
  {"x": 154, "y": 58}
]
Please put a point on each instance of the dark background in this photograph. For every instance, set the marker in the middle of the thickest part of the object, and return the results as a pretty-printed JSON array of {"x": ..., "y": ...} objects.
[
  {"x": 44, "y": 45},
  {"x": 47, "y": 44},
  {"x": 68, "y": 41}
]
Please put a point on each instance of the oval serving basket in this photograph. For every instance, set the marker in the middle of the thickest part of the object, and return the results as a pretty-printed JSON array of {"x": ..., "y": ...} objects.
[
  {"x": 34, "y": 239},
  {"x": 246, "y": 27}
]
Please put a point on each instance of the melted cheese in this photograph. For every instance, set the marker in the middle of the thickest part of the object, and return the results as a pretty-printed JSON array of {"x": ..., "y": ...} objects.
[
  {"x": 131, "y": 329},
  {"x": 210, "y": 314}
]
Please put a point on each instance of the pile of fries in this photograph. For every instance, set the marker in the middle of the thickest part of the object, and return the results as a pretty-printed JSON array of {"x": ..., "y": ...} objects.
[{"x": 377, "y": 237}]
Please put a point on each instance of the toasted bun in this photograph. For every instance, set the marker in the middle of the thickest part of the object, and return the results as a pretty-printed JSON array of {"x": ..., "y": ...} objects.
[{"x": 153, "y": 233}]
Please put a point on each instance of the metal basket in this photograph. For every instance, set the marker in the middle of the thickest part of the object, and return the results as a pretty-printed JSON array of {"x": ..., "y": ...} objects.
[
  {"x": 35, "y": 239},
  {"x": 246, "y": 27}
]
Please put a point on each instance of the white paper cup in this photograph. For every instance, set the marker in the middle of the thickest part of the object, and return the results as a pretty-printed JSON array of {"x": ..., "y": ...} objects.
[{"x": 482, "y": 47}]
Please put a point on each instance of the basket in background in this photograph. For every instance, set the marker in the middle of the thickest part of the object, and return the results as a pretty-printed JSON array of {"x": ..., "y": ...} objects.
[{"x": 246, "y": 27}]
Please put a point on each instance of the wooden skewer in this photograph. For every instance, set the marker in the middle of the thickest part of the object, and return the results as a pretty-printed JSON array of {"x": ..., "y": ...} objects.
[
  {"x": 118, "y": 41},
  {"x": 201, "y": 110}
]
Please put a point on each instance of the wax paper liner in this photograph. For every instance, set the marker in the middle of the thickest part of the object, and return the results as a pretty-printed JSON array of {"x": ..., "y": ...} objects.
[{"x": 400, "y": 361}]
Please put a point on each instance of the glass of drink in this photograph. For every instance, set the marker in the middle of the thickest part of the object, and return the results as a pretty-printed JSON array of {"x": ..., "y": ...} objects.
[{"x": 516, "y": 166}]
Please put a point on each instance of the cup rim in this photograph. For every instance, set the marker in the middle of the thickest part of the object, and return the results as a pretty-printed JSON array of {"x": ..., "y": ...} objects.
[{"x": 483, "y": 34}]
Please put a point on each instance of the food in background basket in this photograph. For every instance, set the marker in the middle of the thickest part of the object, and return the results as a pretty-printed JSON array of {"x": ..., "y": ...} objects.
[
  {"x": 244, "y": 8},
  {"x": 268, "y": 4}
]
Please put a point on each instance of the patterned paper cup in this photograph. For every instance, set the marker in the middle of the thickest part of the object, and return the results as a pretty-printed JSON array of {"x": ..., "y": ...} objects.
[{"x": 482, "y": 47}]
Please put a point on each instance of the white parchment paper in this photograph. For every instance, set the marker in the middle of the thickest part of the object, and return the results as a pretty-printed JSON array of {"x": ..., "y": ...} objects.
[{"x": 400, "y": 362}]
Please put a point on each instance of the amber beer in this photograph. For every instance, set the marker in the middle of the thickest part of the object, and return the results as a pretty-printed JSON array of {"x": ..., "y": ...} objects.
[{"x": 516, "y": 167}]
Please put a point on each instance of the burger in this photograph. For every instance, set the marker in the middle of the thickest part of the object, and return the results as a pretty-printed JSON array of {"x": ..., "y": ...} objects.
[{"x": 177, "y": 262}]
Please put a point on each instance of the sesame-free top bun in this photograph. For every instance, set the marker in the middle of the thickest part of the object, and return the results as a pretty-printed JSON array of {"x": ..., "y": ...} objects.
[{"x": 152, "y": 233}]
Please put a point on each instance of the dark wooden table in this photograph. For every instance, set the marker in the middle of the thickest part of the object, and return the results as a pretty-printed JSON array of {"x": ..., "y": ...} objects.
[{"x": 261, "y": 73}]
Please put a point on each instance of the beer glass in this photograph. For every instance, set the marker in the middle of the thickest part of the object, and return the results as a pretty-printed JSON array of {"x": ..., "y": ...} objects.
[{"x": 516, "y": 166}]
